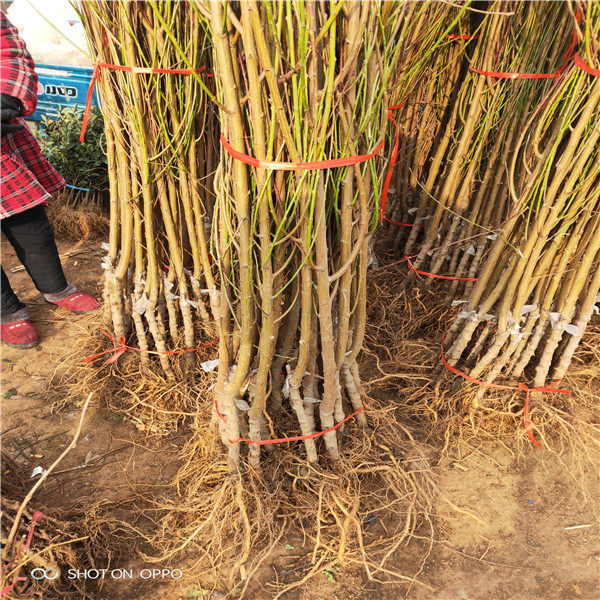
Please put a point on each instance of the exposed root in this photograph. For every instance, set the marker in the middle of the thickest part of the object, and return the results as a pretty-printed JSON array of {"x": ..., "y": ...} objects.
[
  {"x": 356, "y": 511},
  {"x": 359, "y": 511},
  {"x": 403, "y": 358},
  {"x": 77, "y": 220},
  {"x": 42, "y": 542},
  {"x": 142, "y": 394}
]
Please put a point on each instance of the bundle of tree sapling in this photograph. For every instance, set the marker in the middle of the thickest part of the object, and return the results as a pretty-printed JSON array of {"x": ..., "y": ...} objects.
[
  {"x": 298, "y": 83},
  {"x": 463, "y": 199},
  {"x": 539, "y": 283},
  {"x": 435, "y": 39},
  {"x": 160, "y": 150}
]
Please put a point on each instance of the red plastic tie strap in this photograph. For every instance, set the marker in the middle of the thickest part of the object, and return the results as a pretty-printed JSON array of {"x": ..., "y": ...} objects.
[
  {"x": 330, "y": 163},
  {"x": 299, "y": 166},
  {"x": 10, "y": 587},
  {"x": 88, "y": 102},
  {"x": 118, "y": 350},
  {"x": 455, "y": 36},
  {"x": 584, "y": 66},
  {"x": 500, "y": 75},
  {"x": 37, "y": 515},
  {"x": 135, "y": 70},
  {"x": 521, "y": 386},
  {"x": 393, "y": 157},
  {"x": 122, "y": 348},
  {"x": 411, "y": 268},
  {"x": 398, "y": 223},
  {"x": 567, "y": 59},
  {"x": 297, "y": 438}
]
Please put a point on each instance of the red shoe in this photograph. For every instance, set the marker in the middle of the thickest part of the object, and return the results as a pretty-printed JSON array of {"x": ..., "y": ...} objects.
[
  {"x": 79, "y": 303},
  {"x": 20, "y": 334}
]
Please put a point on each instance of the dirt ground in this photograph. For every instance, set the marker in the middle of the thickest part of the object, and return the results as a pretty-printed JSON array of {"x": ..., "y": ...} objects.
[{"x": 508, "y": 526}]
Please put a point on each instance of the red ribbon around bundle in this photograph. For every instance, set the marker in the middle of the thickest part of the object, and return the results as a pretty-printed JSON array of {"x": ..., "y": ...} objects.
[
  {"x": 296, "y": 438},
  {"x": 393, "y": 158},
  {"x": 584, "y": 66},
  {"x": 329, "y": 163},
  {"x": 455, "y": 36},
  {"x": 123, "y": 347},
  {"x": 411, "y": 268},
  {"x": 566, "y": 60},
  {"x": 399, "y": 223},
  {"x": 313, "y": 165},
  {"x": 521, "y": 387},
  {"x": 135, "y": 70}
]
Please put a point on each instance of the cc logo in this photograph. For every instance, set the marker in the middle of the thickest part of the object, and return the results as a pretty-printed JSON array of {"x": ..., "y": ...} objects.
[{"x": 44, "y": 573}]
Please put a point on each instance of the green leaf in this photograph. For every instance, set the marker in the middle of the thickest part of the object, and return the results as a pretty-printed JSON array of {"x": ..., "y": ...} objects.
[
  {"x": 81, "y": 164},
  {"x": 9, "y": 393},
  {"x": 289, "y": 547}
]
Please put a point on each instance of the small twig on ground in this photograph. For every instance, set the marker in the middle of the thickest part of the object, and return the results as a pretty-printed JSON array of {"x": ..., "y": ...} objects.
[
  {"x": 13, "y": 531},
  {"x": 11, "y": 428},
  {"x": 94, "y": 462}
]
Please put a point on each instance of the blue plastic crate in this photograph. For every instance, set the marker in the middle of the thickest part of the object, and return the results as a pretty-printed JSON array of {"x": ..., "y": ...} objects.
[{"x": 61, "y": 85}]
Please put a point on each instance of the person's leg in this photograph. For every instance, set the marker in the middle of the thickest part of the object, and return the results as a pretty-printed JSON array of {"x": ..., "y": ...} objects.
[
  {"x": 10, "y": 303},
  {"x": 32, "y": 237}
]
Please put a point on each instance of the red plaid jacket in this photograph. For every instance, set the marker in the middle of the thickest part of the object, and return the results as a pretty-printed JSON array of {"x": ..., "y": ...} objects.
[{"x": 27, "y": 178}]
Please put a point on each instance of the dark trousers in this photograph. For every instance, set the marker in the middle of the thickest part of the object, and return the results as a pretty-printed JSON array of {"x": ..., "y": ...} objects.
[{"x": 32, "y": 237}]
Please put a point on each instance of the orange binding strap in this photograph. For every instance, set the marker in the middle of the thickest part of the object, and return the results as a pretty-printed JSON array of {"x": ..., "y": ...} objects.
[
  {"x": 567, "y": 59},
  {"x": 123, "y": 347},
  {"x": 329, "y": 163},
  {"x": 584, "y": 66},
  {"x": 398, "y": 223},
  {"x": 88, "y": 103},
  {"x": 411, "y": 268},
  {"x": 135, "y": 70},
  {"x": 296, "y": 438},
  {"x": 521, "y": 386},
  {"x": 393, "y": 157},
  {"x": 299, "y": 166}
]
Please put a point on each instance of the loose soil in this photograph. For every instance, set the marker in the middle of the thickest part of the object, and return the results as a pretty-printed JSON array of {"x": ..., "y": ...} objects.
[{"x": 509, "y": 526}]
